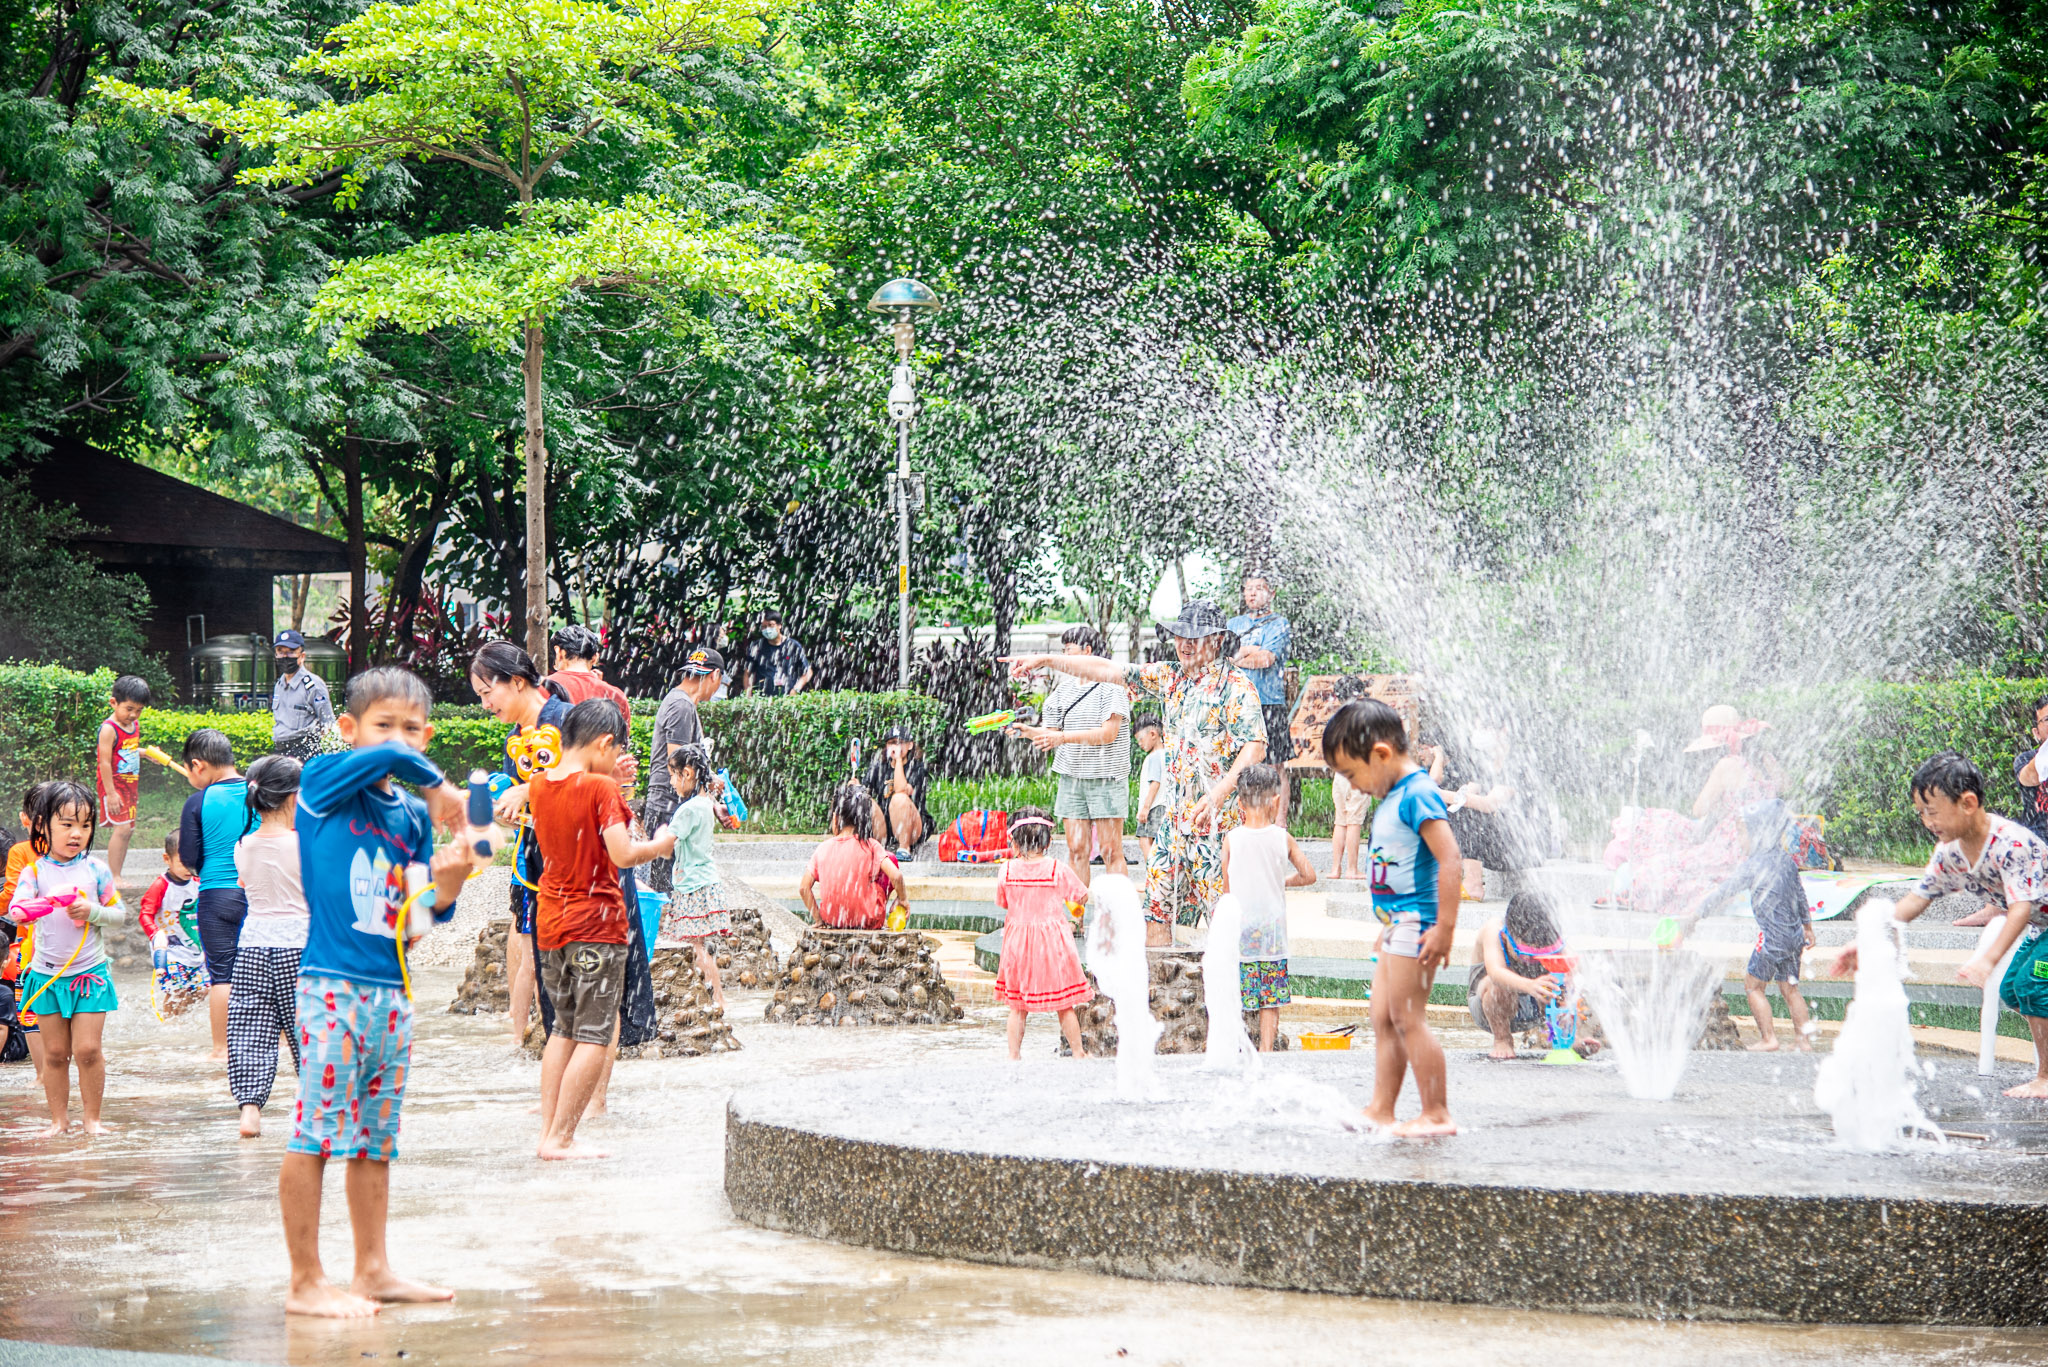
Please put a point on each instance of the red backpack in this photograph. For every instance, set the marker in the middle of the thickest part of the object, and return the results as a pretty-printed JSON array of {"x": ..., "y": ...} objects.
[{"x": 976, "y": 838}]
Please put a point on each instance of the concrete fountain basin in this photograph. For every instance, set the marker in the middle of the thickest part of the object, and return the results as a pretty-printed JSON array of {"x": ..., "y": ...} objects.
[{"x": 1727, "y": 1202}]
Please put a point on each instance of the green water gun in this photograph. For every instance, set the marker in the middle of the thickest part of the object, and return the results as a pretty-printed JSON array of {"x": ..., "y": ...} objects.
[{"x": 996, "y": 721}]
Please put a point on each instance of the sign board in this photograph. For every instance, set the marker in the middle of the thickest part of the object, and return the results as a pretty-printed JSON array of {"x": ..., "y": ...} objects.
[{"x": 1320, "y": 701}]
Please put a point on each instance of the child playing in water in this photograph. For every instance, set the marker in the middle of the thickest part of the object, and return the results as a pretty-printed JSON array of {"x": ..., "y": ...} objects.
[
  {"x": 2000, "y": 860},
  {"x": 15, "y": 957},
  {"x": 849, "y": 873},
  {"x": 118, "y": 765},
  {"x": 1151, "y": 786},
  {"x": 1039, "y": 970},
  {"x": 67, "y": 983},
  {"x": 1784, "y": 923},
  {"x": 1411, "y": 843},
  {"x": 168, "y": 917},
  {"x": 1509, "y": 987},
  {"x": 358, "y": 836},
  {"x": 263, "y": 1003},
  {"x": 1257, "y": 856},
  {"x": 214, "y": 818},
  {"x": 580, "y": 922},
  {"x": 693, "y": 911}
]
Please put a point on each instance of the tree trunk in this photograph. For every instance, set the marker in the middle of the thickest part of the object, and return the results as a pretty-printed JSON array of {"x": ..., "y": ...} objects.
[
  {"x": 302, "y": 588},
  {"x": 536, "y": 506},
  {"x": 358, "y": 553}
]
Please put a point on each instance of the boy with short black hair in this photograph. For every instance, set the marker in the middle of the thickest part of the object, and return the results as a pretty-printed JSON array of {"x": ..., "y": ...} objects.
[
  {"x": 362, "y": 843},
  {"x": 118, "y": 769},
  {"x": 213, "y": 819},
  {"x": 1411, "y": 843},
  {"x": 169, "y": 917},
  {"x": 2002, "y": 861},
  {"x": 1151, "y": 739},
  {"x": 586, "y": 837}
]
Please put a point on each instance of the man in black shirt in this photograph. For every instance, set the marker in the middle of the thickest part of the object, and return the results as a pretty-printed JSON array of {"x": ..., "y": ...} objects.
[{"x": 776, "y": 663}]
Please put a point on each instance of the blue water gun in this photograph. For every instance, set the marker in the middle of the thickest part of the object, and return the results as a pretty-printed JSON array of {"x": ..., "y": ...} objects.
[
  {"x": 735, "y": 805},
  {"x": 1561, "y": 1014}
]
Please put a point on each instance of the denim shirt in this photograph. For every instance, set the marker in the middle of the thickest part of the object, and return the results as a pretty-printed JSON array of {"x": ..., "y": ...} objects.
[{"x": 1267, "y": 631}]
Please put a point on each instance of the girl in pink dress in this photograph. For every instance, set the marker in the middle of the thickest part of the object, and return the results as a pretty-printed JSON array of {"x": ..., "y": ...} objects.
[{"x": 1039, "y": 970}]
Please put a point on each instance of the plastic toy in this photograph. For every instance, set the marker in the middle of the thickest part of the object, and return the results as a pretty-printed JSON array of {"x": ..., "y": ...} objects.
[
  {"x": 37, "y": 908},
  {"x": 996, "y": 721},
  {"x": 1561, "y": 1014}
]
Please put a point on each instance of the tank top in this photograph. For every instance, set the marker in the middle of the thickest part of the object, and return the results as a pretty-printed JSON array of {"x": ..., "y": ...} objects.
[{"x": 1258, "y": 876}]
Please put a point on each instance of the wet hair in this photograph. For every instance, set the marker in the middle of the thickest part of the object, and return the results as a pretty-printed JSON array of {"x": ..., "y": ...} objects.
[
  {"x": 1148, "y": 722},
  {"x": 50, "y": 799},
  {"x": 131, "y": 688},
  {"x": 1532, "y": 919},
  {"x": 577, "y": 642},
  {"x": 501, "y": 662},
  {"x": 1949, "y": 774},
  {"x": 1258, "y": 783},
  {"x": 853, "y": 810},
  {"x": 1360, "y": 725},
  {"x": 693, "y": 758},
  {"x": 273, "y": 781},
  {"x": 590, "y": 721},
  {"x": 208, "y": 746},
  {"x": 171, "y": 846},
  {"x": 1084, "y": 636},
  {"x": 388, "y": 683},
  {"x": 1031, "y": 838}
]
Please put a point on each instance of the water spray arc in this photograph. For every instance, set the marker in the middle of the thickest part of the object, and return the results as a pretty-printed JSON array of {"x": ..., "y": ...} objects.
[{"x": 903, "y": 298}]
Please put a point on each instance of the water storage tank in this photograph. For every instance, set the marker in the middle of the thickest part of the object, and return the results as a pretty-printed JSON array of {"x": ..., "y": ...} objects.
[
  {"x": 329, "y": 663},
  {"x": 231, "y": 673}
]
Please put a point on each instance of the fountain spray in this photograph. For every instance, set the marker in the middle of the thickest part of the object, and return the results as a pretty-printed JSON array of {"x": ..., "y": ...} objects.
[
  {"x": 1228, "y": 1045},
  {"x": 1116, "y": 954},
  {"x": 1868, "y": 1083}
]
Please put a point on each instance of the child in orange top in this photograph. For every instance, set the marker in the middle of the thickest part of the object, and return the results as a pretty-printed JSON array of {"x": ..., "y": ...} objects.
[
  {"x": 13, "y": 957},
  {"x": 844, "y": 884},
  {"x": 1039, "y": 970},
  {"x": 120, "y": 766}
]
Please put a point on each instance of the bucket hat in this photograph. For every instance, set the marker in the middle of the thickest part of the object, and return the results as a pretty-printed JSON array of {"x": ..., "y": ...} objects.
[{"x": 1198, "y": 618}]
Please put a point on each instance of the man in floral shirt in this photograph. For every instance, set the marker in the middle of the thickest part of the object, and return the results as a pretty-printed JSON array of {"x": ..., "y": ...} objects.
[{"x": 1213, "y": 730}]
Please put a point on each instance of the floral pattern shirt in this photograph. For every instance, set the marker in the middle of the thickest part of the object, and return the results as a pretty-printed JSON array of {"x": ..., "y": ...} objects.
[
  {"x": 1208, "y": 716},
  {"x": 2012, "y": 867}
]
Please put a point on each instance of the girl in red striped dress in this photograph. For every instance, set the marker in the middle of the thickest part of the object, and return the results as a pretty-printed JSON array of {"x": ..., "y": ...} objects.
[{"x": 1039, "y": 970}]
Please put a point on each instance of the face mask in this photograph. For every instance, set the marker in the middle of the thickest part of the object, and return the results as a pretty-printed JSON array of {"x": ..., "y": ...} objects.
[
  {"x": 288, "y": 666},
  {"x": 771, "y": 633}
]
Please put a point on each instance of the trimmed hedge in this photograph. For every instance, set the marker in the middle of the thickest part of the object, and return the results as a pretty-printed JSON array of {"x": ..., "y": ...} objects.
[
  {"x": 49, "y": 722},
  {"x": 788, "y": 754}
]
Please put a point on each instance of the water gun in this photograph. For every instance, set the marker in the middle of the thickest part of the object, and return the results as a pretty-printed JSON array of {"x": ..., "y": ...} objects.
[
  {"x": 37, "y": 908},
  {"x": 735, "y": 806},
  {"x": 483, "y": 795},
  {"x": 996, "y": 721},
  {"x": 1561, "y": 1015},
  {"x": 1078, "y": 911},
  {"x": 157, "y": 756}
]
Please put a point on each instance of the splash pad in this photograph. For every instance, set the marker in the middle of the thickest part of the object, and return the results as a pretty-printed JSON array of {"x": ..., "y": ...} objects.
[{"x": 1729, "y": 1201}]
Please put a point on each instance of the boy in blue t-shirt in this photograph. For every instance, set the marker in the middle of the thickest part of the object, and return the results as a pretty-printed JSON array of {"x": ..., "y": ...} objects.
[
  {"x": 1411, "y": 841},
  {"x": 358, "y": 835},
  {"x": 215, "y": 818}
]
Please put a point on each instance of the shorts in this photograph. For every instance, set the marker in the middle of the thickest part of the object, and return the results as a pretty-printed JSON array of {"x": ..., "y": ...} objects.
[
  {"x": 692, "y": 914},
  {"x": 87, "y": 991},
  {"x": 661, "y": 804},
  {"x": 1092, "y": 799},
  {"x": 220, "y": 913},
  {"x": 2025, "y": 988},
  {"x": 1404, "y": 934},
  {"x": 1770, "y": 965},
  {"x": 1279, "y": 743},
  {"x": 355, "y": 1048},
  {"x": 1262, "y": 983},
  {"x": 128, "y": 788},
  {"x": 1528, "y": 1010},
  {"x": 1348, "y": 803},
  {"x": 1153, "y": 828},
  {"x": 586, "y": 981}
]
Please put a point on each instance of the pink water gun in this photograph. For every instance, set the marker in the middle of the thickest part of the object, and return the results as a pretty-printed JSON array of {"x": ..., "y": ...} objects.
[{"x": 35, "y": 909}]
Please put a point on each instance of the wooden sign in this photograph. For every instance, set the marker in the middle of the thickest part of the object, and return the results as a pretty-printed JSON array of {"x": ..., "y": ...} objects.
[{"x": 1319, "y": 702}]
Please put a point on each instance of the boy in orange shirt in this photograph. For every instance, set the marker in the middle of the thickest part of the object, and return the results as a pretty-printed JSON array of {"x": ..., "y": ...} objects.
[
  {"x": 586, "y": 836},
  {"x": 120, "y": 766}
]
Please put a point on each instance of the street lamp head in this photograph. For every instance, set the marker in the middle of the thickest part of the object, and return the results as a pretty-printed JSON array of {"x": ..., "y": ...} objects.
[{"x": 903, "y": 297}]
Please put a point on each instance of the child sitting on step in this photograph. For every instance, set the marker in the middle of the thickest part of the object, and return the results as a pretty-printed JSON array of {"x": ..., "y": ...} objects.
[{"x": 1039, "y": 970}]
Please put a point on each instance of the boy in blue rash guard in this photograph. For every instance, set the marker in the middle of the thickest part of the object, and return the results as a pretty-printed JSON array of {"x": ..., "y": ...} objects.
[
  {"x": 357, "y": 835},
  {"x": 215, "y": 818},
  {"x": 1411, "y": 843}
]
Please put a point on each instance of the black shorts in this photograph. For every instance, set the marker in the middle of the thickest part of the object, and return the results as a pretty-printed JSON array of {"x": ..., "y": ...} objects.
[
  {"x": 220, "y": 913},
  {"x": 1279, "y": 745}
]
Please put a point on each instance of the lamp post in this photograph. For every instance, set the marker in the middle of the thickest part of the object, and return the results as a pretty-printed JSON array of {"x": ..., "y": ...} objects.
[{"x": 903, "y": 298}]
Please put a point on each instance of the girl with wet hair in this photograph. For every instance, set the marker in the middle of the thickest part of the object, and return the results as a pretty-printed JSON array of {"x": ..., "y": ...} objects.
[
  {"x": 851, "y": 880},
  {"x": 1039, "y": 969},
  {"x": 1509, "y": 987},
  {"x": 263, "y": 994},
  {"x": 696, "y": 907}
]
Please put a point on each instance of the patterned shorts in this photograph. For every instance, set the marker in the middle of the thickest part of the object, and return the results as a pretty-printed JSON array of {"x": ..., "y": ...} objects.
[
  {"x": 356, "y": 1044},
  {"x": 1263, "y": 982},
  {"x": 691, "y": 913},
  {"x": 1184, "y": 877}
]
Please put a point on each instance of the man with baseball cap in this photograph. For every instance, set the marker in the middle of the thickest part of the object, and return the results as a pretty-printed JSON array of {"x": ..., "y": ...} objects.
[
  {"x": 301, "y": 709},
  {"x": 676, "y": 724},
  {"x": 1214, "y": 730}
]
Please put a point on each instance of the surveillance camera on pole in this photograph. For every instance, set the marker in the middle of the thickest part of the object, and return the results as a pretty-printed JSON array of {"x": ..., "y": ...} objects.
[{"x": 903, "y": 298}]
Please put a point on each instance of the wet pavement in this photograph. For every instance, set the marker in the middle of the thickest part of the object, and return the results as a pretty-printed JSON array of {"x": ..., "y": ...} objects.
[{"x": 165, "y": 1237}]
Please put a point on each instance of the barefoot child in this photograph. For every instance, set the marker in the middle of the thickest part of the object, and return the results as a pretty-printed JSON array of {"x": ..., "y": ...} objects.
[
  {"x": 67, "y": 983},
  {"x": 1039, "y": 970},
  {"x": 586, "y": 837},
  {"x": 15, "y": 958},
  {"x": 263, "y": 1003},
  {"x": 1509, "y": 986},
  {"x": 693, "y": 911},
  {"x": 1784, "y": 922},
  {"x": 118, "y": 765},
  {"x": 849, "y": 873},
  {"x": 1347, "y": 820},
  {"x": 1151, "y": 786},
  {"x": 358, "y": 837},
  {"x": 1260, "y": 862},
  {"x": 2000, "y": 860},
  {"x": 167, "y": 917},
  {"x": 214, "y": 818},
  {"x": 1411, "y": 843}
]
